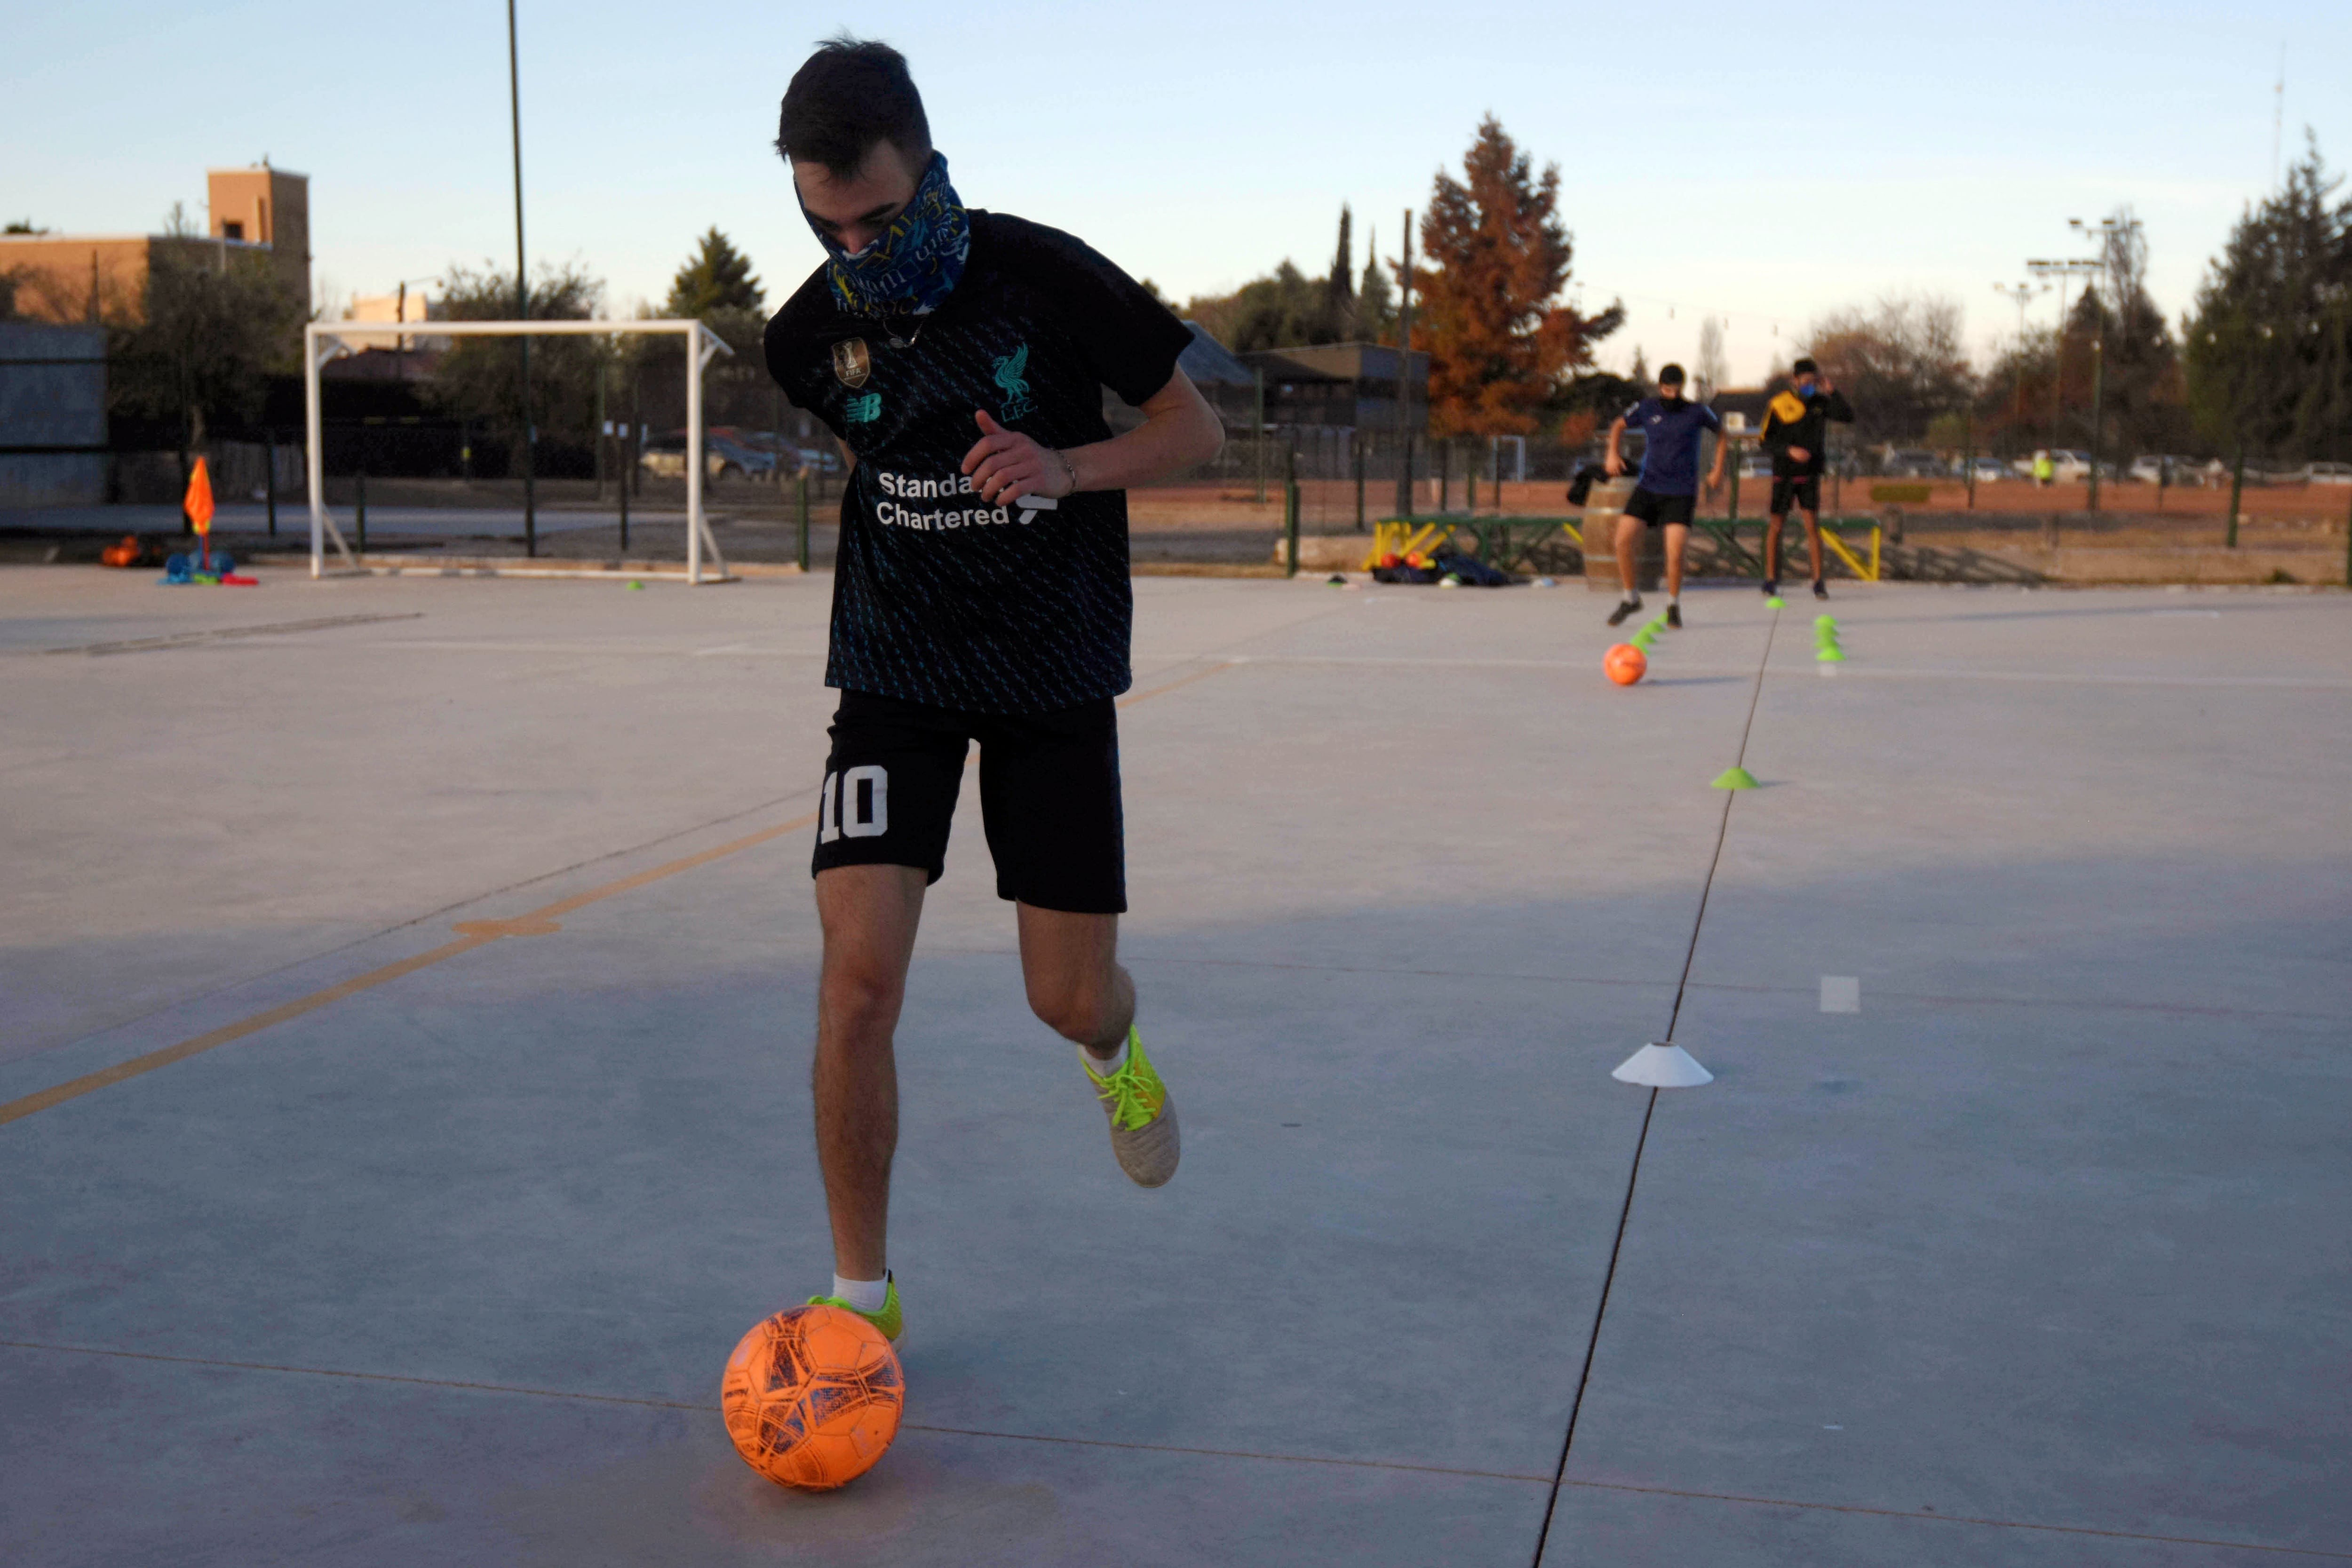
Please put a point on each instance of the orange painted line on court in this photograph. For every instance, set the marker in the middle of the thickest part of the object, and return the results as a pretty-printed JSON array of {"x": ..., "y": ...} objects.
[
  {"x": 471, "y": 934},
  {"x": 91, "y": 1082},
  {"x": 1132, "y": 699}
]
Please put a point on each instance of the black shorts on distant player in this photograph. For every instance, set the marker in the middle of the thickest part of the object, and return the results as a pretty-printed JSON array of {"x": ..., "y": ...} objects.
[
  {"x": 1657, "y": 509},
  {"x": 1804, "y": 493}
]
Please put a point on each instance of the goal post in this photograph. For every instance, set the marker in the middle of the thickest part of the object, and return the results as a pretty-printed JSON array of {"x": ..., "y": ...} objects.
[{"x": 324, "y": 340}]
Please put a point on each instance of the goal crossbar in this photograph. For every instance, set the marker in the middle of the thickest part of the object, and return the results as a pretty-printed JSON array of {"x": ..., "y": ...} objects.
[{"x": 325, "y": 341}]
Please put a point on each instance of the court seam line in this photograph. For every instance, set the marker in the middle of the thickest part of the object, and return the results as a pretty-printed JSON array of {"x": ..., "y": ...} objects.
[
  {"x": 2186, "y": 1008},
  {"x": 471, "y": 1387},
  {"x": 1959, "y": 1519},
  {"x": 484, "y": 935},
  {"x": 465, "y": 1385},
  {"x": 1649, "y": 1111},
  {"x": 217, "y": 634}
]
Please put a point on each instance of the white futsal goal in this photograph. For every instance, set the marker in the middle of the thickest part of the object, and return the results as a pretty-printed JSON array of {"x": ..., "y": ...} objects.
[{"x": 324, "y": 340}]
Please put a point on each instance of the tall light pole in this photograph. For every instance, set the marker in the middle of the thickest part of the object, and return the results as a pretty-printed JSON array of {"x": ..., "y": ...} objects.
[
  {"x": 523, "y": 300},
  {"x": 2104, "y": 232},
  {"x": 2018, "y": 293},
  {"x": 1404, "y": 374},
  {"x": 2062, "y": 270}
]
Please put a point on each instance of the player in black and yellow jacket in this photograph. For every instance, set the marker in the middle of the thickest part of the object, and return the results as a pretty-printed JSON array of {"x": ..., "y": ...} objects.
[{"x": 1796, "y": 428}]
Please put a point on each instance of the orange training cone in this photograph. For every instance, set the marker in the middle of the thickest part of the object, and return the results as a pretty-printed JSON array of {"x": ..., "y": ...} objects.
[{"x": 198, "y": 505}]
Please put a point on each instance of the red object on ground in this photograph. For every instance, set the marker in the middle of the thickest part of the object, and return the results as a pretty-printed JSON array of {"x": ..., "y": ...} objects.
[
  {"x": 1625, "y": 664},
  {"x": 237, "y": 580}
]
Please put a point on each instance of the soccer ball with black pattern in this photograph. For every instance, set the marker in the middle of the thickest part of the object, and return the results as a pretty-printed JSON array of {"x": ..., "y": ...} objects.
[{"x": 812, "y": 1397}]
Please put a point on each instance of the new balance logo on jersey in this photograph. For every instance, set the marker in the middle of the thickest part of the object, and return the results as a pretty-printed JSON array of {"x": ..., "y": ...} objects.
[{"x": 855, "y": 805}]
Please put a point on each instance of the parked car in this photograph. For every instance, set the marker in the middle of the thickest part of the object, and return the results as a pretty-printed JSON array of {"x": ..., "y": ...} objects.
[
  {"x": 1910, "y": 463},
  {"x": 2328, "y": 474},
  {"x": 722, "y": 456},
  {"x": 2070, "y": 467},
  {"x": 2163, "y": 467},
  {"x": 819, "y": 460},
  {"x": 1984, "y": 469},
  {"x": 1756, "y": 466}
]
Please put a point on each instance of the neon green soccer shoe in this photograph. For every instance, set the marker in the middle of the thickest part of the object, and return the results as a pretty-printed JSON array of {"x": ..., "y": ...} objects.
[
  {"x": 889, "y": 1320},
  {"x": 1142, "y": 1115}
]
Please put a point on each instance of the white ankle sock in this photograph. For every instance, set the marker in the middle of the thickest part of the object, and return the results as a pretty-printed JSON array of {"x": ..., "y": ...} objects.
[
  {"x": 1674, "y": 600},
  {"x": 1117, "y": 1061},
  {"x": 865, "y": 1295}
]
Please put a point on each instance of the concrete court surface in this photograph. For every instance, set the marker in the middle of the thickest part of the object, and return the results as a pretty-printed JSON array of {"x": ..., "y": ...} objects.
[{"x": 433, "y": 1252}]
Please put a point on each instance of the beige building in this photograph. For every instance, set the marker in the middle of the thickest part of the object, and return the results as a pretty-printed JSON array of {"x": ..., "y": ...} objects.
[{"x": 103, "y": 277}]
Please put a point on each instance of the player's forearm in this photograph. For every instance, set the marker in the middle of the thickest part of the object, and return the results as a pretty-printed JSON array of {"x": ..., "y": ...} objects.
[{"x": 1179, "y": 431}]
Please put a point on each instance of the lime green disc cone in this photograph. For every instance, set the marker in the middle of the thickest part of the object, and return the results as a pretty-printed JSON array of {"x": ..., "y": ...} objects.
[
  {"x": 1776, "y": 603},
  {"x": 1831, "y": 653},
  {"x": 1734, "y": 778}
]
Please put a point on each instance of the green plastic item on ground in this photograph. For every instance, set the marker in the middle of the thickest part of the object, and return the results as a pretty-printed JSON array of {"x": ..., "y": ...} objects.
[
  {"x": 1830, "y": 653},
  {"x": 1734, "y": 778},
  {"x": 634, "y": 584},
  {"x": 1776, "y": 603}
]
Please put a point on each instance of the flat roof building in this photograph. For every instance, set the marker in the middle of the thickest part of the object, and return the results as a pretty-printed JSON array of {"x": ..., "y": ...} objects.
[{"x": 68, "y": 277}]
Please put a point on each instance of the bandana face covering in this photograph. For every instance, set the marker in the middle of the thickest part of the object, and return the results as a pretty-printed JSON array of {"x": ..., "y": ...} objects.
[{"x": 913, "y": 267}]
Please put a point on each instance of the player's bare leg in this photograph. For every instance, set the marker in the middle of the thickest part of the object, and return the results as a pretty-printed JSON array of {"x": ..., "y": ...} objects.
[
  {"x": 1070, "y": 963},
  {"x": 868, "y": 915},
  {"x": 1677, "y": 537},
  {"x": 1813, "y": 545},
  {"x": 1772, "y": 549},
  {"x": 1629, "y": 539},
  {"x": 1077, "y": 988}
]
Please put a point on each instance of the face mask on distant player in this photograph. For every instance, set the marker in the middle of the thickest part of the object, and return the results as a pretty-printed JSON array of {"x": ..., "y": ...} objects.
[
  {"x": 1670, "y": 394},
  {"x": 914, "y": 266}
]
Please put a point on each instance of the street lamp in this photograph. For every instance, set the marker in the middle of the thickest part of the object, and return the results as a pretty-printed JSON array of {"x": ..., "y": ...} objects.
[
  {"x": 2019, "y": 293},
  {"x": 2104, "y": 232},
  {"x": 2073, "y": 266}
]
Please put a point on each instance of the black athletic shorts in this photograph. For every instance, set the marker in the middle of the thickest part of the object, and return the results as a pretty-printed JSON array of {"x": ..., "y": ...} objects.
[
  {"x": 1806, "y": 492},
  {"x": 1048, "y": 796},
  {"x": 1654, "y": 509}
]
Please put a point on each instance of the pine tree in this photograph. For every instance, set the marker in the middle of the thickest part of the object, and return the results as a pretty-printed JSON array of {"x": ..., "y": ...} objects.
[
  {"x": 718, "y": 277},
  {"x": 1500, "y": 345},
  {"x": 1376, "y": 301},
  {"x": 1640, "y": 375},
  {"x": 2270, "y": 341},
  {"x": 1340, "y": 285}
]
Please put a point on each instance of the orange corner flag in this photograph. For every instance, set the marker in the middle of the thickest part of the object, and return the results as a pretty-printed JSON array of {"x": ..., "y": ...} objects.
[{"x": 199, "y": 501}]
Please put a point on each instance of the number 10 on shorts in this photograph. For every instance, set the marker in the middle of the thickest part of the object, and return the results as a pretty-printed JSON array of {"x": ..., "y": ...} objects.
[{"x": 865, "y": 792}]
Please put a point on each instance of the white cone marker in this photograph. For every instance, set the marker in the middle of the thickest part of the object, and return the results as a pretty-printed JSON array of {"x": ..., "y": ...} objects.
[{"x": 1662, "y": 1065}]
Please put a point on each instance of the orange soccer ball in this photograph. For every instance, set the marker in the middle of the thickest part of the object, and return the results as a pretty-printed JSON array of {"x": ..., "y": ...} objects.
[
  {"x": 1625, "y": 664},
  {"x": 812, "y": 1397}
]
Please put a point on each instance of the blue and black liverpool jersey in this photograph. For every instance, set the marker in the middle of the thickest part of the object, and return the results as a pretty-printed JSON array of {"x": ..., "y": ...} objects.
[{"x": 938, "y": 598}]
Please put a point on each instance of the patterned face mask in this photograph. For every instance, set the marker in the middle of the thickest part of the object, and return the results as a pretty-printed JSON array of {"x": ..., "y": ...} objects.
[{"x": 914, "y": 266}]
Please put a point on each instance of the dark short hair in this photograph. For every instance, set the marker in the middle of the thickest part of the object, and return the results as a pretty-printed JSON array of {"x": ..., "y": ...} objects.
[
  {"x": 1806, "y": 367},
  {"x": 1670, "y": 376},
  {"x": 850, "y": 94}
]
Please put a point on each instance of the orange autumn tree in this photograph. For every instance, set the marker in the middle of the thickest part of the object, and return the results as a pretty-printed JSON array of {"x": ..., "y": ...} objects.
[{"x": 1497, "y": 256}]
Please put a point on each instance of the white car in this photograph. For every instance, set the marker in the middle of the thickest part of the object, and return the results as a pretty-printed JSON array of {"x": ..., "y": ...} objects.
[
  {"x": 2328, "y": 474},
  {"x": 1985, "y": 470},
  {"x": 2150, "y": 469}
]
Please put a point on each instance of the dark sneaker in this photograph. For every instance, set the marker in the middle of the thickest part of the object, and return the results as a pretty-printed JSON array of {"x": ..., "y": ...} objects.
[
  {"x": 1821, "y": 589},
  {"x": 1674, "y": 617},
  {"x": 1626, "y": 607},
  {"x": 1771, "y": 588}
]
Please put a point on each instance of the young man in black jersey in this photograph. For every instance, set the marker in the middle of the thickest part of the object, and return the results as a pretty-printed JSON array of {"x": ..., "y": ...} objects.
[
  {"x": 980, "y": 593},
  {"x": 1796, "y": 430}
]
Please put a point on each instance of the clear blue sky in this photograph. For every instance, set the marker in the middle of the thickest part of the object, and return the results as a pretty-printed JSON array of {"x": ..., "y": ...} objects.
[{"x": 1711, "y": 159}]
